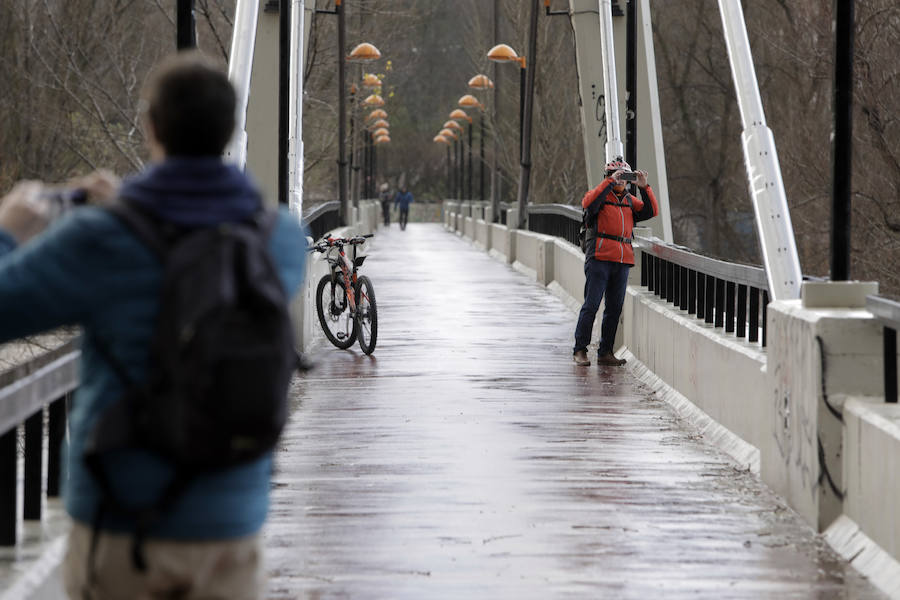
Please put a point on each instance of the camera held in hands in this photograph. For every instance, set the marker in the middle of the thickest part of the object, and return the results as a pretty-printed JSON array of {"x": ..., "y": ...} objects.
[
  {"x": 61, "y": 200},
  {"x": 628, "y": 177}
]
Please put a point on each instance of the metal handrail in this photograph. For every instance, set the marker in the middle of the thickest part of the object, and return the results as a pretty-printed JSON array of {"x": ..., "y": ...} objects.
[
  {"x": 885, "y": 310},
  {"x": 563, "y": 210},
  {"x": 317, "y": 211},
  {"x": 734, "y": 272},
  {"x": 27, "y": 387},
  {"x": 323, "y": 217}
]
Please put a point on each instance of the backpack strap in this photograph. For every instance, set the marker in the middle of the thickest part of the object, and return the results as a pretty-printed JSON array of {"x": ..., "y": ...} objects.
[{"x": 143, "y": 225}]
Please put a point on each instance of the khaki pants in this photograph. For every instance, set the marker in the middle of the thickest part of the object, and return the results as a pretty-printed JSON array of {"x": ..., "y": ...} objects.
[{"x": 214, "y": 570}]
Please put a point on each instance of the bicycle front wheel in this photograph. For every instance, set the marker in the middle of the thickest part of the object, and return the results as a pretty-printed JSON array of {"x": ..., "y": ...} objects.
[
  {"x": 334, "y": 312},
  {"x": 366, "y": 315}
]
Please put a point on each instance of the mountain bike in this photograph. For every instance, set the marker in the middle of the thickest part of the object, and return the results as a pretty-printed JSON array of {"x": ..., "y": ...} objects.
[{"x": 345, "y": 300}]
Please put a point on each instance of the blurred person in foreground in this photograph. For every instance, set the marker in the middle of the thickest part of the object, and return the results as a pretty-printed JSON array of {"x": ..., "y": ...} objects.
[
  {"x": 88, "y": 268},
  {"x": 610, "y": 214}
]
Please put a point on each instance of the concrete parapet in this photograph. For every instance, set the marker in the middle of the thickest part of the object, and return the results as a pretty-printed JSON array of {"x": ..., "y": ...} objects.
[
  {"x": 482, "y": 234},
  {"x": 722, "y": 375},
  {"x": 871, "y": 457},
  {"x": 818, "y": 357},
  {"x": 503, "y": 246},
  {"x": 534, "y": 255}
]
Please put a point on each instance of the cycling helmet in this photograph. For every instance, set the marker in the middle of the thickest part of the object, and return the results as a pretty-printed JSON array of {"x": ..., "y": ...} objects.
[{"x": 617, "y": 164}]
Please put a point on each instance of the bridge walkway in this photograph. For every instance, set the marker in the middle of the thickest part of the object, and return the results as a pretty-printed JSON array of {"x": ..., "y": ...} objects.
[{"x": 470, "y": 458}]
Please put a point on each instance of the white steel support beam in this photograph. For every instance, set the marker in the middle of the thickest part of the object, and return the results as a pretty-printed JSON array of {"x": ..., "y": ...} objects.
[
  {"x": 262, "y": 127},
  {"x": 773, "y": 220},
  {"x": 651, "y": 154},
  {"x": 295, "y": 137},
  {"x": 586, "y": 23},
  {"x": 614, "y": 145},
  {"x": 243, "y": 42}
]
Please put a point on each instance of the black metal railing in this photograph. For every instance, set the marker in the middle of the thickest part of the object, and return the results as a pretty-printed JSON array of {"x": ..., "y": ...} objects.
[
  {"x": 323, "y": 218},
  {"x": 888, "y": 313},
  {"x": 25, "y": 390},
  {"x": 560, "y": 220},
  {"x": 724, "y": 294}
]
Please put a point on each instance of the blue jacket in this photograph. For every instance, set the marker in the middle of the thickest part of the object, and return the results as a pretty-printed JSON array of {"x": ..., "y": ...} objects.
[
  {"x": 88, "y": 269},
  {"x": 403, "y": 200}
]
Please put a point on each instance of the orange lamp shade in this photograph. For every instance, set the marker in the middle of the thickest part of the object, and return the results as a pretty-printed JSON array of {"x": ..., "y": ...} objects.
[
  {"x": 382, "y": 131},
  {"x": 382, "y": 139},
  {"x": 378, "y": 113},
  {"x": 481, "y": 82},
  {"x": 448, "y": 133},
  {"x": 370, "y": 80},
  {"x": 453, "y": 125},
  {"x": 503, "y": 53},
  {"x": 364, "y": 52},
  {"x": 459, "y": 114},
  {"x": 439, "y": 139},
  {"x": 374, "y": 100},
  {"x": 469, "y": 101},
  {"x": 381, "y": 123}
]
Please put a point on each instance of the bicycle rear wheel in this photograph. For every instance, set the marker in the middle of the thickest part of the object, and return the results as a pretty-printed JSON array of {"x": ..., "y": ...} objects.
[
  {"x": 366, "y": 315},
  {"x": 334, "y": 312}
]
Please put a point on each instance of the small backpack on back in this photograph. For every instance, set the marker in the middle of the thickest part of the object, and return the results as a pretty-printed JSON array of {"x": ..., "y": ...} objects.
[
  {"x": 583, "y": 230},
  {"x": 221, "y": 358}
]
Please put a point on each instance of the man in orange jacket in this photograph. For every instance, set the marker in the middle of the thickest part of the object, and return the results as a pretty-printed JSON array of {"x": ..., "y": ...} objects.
[{"x": 611, "y": 213}]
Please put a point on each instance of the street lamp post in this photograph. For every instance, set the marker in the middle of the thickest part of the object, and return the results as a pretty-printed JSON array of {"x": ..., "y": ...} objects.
[
  {"x": 461, "y": 167},
  {"x": 503, "y": 53},
  {"x": 185, "y": 25},
  {"x": 451, "y": 135},
  {"x": 461, "y": 114},
  {"x": 364, "y": 52},
  {"x": 481, "y": 82}
]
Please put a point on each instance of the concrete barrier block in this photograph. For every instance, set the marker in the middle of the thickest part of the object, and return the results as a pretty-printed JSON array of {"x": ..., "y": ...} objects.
[{"x": 871, "y": 456}]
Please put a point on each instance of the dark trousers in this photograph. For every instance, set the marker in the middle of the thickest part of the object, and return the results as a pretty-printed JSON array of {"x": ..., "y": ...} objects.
[
  {"x": 601, "y": 278},
  {"x": 404, "y": 217},
  {"x": 386, "y": 212}
]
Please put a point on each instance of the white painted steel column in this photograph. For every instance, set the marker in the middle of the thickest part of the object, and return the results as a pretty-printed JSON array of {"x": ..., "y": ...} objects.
[
  {"x": 295, "y": 127},
  {"x": 614, "y": 146},
  {"x": 773, "y": 220},
  {"x": 240, "y": 66},
  {"x": 586, "y": 25},
  {"x": 650, "y": 150}
]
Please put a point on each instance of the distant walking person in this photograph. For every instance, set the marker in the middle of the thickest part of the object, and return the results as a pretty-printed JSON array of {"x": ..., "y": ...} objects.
[
  {"x": 403, "y": 199},
  {"x": 610, "y": 213},
  {"x": 385, "y": 197}
]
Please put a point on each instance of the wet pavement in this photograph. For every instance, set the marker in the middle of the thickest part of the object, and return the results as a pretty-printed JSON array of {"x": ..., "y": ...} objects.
[{"x": 468, "y": 457}]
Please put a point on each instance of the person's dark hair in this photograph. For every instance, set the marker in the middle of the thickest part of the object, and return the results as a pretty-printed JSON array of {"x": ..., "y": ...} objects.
[{"x": 190, "y": 104}]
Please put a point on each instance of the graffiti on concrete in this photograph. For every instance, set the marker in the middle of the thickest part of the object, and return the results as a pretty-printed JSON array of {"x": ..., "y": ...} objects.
[{"x": 794, "y": 427}]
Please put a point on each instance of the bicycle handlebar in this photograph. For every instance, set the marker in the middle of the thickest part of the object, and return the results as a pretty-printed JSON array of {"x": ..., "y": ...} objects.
[{"x": 330, "y": 242}]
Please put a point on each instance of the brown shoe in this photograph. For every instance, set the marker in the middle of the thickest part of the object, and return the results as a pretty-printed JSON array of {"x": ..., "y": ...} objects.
[
  {"x": 609, "y": 359},
  {"x": 581, "y": 359}
]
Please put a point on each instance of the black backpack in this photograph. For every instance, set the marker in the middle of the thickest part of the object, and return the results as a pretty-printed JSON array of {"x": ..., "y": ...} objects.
[
  {"x": 583, "y": 230},
  {"x": 221, "y": 359}
]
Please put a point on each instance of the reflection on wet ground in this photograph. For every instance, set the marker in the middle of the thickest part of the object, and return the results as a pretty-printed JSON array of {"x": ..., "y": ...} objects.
[{"x": 470, "y": 458}]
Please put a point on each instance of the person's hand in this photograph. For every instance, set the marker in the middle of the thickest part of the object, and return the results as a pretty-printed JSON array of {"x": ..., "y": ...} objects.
[
  {"x": 102, "y": 186},
  {"x": 641, "y": 178},
  {"x": 617, "y": 178},
  {"x": 23, "y": 213}
]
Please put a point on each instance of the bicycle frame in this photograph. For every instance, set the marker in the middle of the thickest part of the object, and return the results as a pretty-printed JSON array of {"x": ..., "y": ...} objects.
[{"x": 348, "y": 271}]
